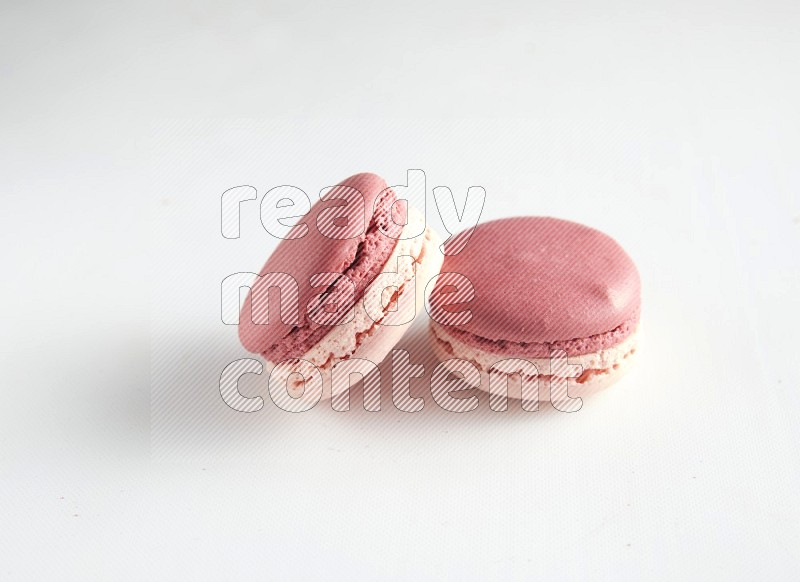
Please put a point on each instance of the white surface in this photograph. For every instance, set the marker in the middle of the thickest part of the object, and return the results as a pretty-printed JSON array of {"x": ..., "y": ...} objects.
[{"x": 672, "y": 126}]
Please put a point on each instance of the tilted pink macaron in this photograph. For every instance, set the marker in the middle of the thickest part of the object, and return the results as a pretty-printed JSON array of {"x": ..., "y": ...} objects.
[
  {"x": 341, "y": 308},
  {"x": 540, "y": 285}
]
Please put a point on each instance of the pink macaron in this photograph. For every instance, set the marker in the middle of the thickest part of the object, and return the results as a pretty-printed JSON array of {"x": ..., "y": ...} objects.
[
  {"x": 525, "y": 289},
  {"x": 345, "y": 284}
]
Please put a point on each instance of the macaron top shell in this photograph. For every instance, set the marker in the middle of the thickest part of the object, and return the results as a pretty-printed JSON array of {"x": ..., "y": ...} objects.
[
  {"x": 374, "y": 226},
  {"x": 545, "y": 280}
]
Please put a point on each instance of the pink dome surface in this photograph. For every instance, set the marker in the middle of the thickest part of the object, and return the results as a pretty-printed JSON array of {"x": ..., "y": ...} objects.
[
  {"x": 360, "y": 258},
  {"x": 544, "y": 280}
]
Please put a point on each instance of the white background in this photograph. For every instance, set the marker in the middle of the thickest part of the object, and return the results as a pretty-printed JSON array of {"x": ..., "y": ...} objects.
[{"x": 672, "y": 126}]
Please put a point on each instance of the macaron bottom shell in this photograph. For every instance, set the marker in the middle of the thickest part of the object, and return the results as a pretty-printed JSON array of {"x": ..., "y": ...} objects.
[{"x": 598, "y": 370}]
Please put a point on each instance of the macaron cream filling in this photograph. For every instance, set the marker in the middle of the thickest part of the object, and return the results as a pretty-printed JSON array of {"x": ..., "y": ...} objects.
[
  {"x": 576, "y": 346},
  {"x": 342, "y": 341},
  {"x": 603, "y": 361}
]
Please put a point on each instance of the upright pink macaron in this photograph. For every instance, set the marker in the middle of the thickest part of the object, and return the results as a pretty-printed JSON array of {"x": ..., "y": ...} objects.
[
  {"x": 332, "y": 303},
  {"x": 541, "y": 285}
]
